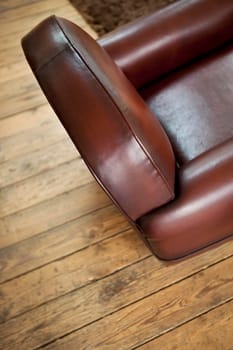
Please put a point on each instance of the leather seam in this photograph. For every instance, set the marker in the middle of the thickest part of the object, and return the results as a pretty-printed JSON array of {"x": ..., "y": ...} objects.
[
  {"x": 50, "y": 60},
  {"x": 56, "y": 27}
]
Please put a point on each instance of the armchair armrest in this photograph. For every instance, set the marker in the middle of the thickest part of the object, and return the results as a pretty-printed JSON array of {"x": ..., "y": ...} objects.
[
  {"x": 122, "y": 143},
  {"x": 202, "y": 212},
  {"x": 159, "y": 43}
]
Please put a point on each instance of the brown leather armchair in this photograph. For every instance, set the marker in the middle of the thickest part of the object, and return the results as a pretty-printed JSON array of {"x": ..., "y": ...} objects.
[{"x": 150, "y": 109}]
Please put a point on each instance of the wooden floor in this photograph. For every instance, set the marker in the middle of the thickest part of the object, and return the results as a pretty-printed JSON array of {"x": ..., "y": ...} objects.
[{"x": 73, "y": 274}]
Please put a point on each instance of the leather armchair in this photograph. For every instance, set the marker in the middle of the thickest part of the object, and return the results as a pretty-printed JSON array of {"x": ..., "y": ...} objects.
[{"x": 150, "y": 109}]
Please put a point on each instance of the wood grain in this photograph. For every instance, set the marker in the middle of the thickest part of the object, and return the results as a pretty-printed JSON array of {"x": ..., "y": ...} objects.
[
  {"x": 40, "y": 161},
  {"x": 25, "y": 142},
  {"x": 67, "y": 274},
  {"x": 45, "y": 185},
  {"x": 60, "y": 241},
  {"x": 157, "y": 313},
  {"x": 19, "y": 95},
  {"x": 27, "y": 120},
  {"x": 10, "y": 4},
  {"x": 126, "y": 328},
  {"x": 211, "y": 331},
  {"x": 51, "y": 213},
  {"x": 70, "y": 273}
]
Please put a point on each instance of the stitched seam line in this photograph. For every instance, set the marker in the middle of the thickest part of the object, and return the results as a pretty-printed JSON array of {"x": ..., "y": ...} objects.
[
  {"x": 49, "y": 61},
  {"x": 56, "y": 27}
]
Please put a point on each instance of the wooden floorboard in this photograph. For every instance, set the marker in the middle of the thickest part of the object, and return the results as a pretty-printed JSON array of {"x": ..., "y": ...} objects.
[
  {"x": 90, "y": 312},
  {"x": 155, "y": 314},
  {"x": 36, "y": 189},
  {"x": 46, "y": 133},
  {"x": 33, "y": 164},
  {"x": 27, "y": 121},
  {"x": 73, "y": 274},
  {"x": 70, "y": 273},
  {"x": 60, "y": 241},
  {"x": 51, "y": 213},
  {"x": 210, "y": 331}
]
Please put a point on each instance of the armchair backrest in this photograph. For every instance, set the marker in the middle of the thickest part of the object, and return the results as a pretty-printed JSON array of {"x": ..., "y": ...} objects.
[
  {"x": 121, "y": 141},
  {"x": 159, "y": 43}
]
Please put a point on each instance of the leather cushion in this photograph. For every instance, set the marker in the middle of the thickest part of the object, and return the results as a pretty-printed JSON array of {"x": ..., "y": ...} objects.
[
  {"x": 123, "y": 144},
  {"x": 194, "y": 105},
  {"x": 202, "y": 211},
  {"x": 154, "y": 45}
]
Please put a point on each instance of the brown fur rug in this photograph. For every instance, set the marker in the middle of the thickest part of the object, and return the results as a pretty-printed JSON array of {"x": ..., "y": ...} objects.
[{"x": 105, "y": 15}]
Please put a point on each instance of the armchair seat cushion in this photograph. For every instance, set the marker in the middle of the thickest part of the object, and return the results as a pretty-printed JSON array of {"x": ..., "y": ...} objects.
[
  {"x": 202, "y": 211},
  {"x": 194, "y": 104}
]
